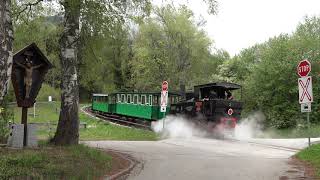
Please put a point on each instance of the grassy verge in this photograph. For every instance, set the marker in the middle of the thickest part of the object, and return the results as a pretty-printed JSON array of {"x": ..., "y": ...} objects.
[
  {"x": 47, "y": 162},
  {"x": 302, "y": 132},
  {"x": 311, "y": 155},
  {"x": 96, "y": 130}
]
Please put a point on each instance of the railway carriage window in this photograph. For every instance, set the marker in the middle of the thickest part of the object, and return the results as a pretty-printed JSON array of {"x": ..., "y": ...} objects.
[
  {"x": 139, "y": 99},
  {"x": 123, "y": 98},
  {"x": 118, "y": 98},
  {"x": 150, "y": 100},
  {"x": 135, "y": 99},
  {"x": 147, "y": 100},
  {"x": 143, "y": 99},
  {"x": 129, "y": 98},
  {"x": 155, "y": 100}
]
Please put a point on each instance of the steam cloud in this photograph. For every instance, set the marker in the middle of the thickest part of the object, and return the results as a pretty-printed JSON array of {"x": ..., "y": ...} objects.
[
  {"x": 250, "y": 127},
  {"x": 177, "y": 127},
  {"x": 180, "y": 127}
]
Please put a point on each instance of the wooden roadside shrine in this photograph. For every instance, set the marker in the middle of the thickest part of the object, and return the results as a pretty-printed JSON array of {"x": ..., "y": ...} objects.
[{"x": 29, "y": 68}]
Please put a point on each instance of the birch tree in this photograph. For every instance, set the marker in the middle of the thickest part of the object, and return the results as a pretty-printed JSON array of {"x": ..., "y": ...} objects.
[
  {"x": 6, "y": 39},
  {"x": 68, "y": 127}
]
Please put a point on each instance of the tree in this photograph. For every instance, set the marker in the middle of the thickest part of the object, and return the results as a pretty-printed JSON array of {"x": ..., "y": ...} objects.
[
  {"x": 170, "y": 46},
  {"x": 6, "y": 49},
  {"x": 68, "y": 127}
]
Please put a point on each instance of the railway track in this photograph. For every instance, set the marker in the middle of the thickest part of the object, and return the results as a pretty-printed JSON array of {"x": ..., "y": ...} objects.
[{"x": 120, "y": 120}]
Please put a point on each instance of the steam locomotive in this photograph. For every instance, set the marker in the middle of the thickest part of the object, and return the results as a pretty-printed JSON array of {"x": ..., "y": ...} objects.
[{"x": 211, "y": 105}]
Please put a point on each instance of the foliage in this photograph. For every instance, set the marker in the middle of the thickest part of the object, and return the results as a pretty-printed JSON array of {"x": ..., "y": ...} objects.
[
  {"x": 170, "y": 46},
  {"x": 47, "y": 91},
  {"x": 73, "y": 162},
  {"x": 6, "y": 115},
  {"x": 268, "y": 73}
]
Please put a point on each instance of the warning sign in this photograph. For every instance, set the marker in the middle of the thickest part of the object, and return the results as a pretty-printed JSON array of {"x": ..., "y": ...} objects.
[{"x": 305, "y": 90}]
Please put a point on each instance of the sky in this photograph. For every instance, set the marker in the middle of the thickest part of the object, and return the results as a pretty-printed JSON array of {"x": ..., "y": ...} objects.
[{"x": 240, "y": 24}]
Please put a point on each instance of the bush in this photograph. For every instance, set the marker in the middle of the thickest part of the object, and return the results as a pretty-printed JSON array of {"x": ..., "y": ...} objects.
[
  {"x": 47, "y": 91},
  {"x": 6, "y": 115}
]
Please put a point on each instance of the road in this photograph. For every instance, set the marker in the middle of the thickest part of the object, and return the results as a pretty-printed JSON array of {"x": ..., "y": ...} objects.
[{"x": 199, "y": 158}]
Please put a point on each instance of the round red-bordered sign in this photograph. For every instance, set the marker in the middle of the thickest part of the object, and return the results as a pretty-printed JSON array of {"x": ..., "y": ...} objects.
[
  {"x": 230, "y": 112},
  {"x": 164, "y": 86}
]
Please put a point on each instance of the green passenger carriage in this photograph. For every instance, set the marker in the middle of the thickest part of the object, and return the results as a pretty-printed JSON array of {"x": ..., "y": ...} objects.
[{"x": 144, "y": 106}]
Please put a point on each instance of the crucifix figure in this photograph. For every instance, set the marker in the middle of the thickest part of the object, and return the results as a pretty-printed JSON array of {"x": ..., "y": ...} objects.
[{"x": 28, "y": 68}]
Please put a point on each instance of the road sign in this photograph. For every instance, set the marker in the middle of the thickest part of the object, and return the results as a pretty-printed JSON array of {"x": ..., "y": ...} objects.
[
  {"x": 306, "y": 107},
  {"x": 305, "y": 90},
  {"x": 164, "y": 86},
  {"x": 304, "y": 68},
  {"x": 164, "y": 97}
]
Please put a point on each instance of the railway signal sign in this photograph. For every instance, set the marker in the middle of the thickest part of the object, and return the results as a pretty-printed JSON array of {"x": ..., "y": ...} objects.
[
  {"x": 304, "y": 68},
  {"x": 164, "y": 86},
  {"x": 305, "y": 90},
  {"x": 306, "y": 107},
  {"x": 164, "y": 97}
]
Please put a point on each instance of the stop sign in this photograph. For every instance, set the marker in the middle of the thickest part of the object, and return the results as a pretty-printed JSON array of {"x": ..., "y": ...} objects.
[{"x": 304, "y": 68}]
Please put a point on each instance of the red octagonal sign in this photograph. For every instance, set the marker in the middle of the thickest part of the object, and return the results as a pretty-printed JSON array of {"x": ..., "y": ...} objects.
[{"x": 304, "y": 68}]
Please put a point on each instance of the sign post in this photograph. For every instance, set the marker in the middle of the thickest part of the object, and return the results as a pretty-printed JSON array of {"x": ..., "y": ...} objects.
[
  {"x": 164, "y": 99},
  {"x": 305, "y": 89}
]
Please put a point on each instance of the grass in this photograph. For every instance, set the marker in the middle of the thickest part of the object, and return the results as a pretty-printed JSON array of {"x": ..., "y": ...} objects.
[
  {"x": 96, "y": 130},
  {"x": 49, "y": 162},
  {"x": 311, "y": 155},
  {"x": 301, "y": 132}
]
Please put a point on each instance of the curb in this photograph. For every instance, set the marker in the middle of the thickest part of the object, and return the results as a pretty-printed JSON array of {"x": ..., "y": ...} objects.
[{"x": 125, "y": 171}]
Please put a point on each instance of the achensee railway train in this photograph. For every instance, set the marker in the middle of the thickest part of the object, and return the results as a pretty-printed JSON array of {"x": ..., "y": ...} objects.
[{"x": 211, "y": 104}]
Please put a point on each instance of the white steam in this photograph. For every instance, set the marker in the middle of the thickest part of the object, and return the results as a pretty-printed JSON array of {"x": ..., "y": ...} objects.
[
  {"x": 177, "y": 127},
  {"x": 250, "y": 127},
  {"x": 180, "y": 127}
]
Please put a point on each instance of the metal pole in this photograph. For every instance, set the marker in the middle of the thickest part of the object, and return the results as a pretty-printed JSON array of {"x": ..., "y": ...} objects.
[
  {"x": 163, "y": 121},
  {"x": 309, "y": 141},
  {"x": 24, "y": 121},
  {"x": 34, "y": 110}
]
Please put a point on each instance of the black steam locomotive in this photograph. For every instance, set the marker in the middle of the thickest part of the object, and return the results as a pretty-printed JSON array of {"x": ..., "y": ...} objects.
[{"x": 212, "y": 104}]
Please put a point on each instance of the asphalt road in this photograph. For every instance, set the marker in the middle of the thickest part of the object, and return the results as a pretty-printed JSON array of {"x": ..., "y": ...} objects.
[{"x": 199, "y": 158}]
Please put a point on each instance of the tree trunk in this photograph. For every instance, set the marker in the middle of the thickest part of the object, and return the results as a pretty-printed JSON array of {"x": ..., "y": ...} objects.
[
  {"x": 68, "y": 127},
  {"x": 6, "y": 40}
]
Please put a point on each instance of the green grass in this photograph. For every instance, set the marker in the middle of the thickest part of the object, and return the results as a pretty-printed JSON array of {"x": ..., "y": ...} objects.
[
  {"x": 99, "y": 130},
  {"x": 49, "y": 162},
  {"x": 302, "y": 132},
  {"x": 96, "y": 130},
  {"x": 311, "y": 155}
]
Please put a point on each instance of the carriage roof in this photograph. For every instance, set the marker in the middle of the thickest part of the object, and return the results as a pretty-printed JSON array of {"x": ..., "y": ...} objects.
[{"x": 100, "y": 95}]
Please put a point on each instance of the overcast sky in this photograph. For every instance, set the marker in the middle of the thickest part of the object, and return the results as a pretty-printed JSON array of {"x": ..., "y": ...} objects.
[{"x": 243, "y": 23}]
